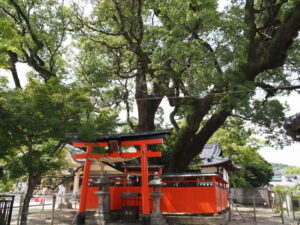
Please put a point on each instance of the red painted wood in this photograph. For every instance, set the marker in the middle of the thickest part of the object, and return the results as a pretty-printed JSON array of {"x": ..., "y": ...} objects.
[
  {"x": 85, "y": 144},
  {"x": 116, "y": 202},
  {"x": 84, "y": 185},
  {"x": 92, "y": 199},
  {"x": 178, "y": 199},
  {"x": 189, "y": 199},
  {"x": 145, "y": 184},
  {"x": 117, "y": 155},
  {"x": 121, "y": 143}
]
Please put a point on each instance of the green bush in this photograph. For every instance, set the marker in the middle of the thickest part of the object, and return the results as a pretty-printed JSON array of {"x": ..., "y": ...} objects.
[{"x": 296, "y": 201}]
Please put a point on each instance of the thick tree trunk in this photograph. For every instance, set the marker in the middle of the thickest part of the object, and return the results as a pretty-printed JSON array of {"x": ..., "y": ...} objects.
[
  {"x": 33, "y": 180},
  {"x": 146, "y": 116},
  {"x": 147, "y": 104},
  {"x": 185, "y": 149}
]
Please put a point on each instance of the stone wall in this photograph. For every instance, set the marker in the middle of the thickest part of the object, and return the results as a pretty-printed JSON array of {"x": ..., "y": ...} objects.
[{"x": 245, "y": 196}]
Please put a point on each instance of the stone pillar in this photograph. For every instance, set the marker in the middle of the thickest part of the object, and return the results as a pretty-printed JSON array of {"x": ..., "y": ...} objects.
[
  {"x": 63, "y": 200},
  {"x": 156, "y": 215},
  {"x": 103, "y": 212},
  {"x": 76, "y": 184}
]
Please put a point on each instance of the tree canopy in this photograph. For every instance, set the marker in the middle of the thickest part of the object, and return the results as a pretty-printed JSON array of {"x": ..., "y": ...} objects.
[
  {"x": 239, "y": 144},
  {"x": 292, "y": 170},
  {"x": 209, "y": 64}
]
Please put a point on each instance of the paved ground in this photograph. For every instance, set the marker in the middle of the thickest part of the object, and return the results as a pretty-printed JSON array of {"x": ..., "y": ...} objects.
[{"x": 64, "y": 217}]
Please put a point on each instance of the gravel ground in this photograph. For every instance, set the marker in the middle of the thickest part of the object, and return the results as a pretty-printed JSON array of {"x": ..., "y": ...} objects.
[{"x": 264, "y": 216}]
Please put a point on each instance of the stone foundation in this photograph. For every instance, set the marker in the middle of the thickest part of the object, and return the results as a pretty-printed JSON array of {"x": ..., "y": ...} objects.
[{"x": 220, "y": 219}]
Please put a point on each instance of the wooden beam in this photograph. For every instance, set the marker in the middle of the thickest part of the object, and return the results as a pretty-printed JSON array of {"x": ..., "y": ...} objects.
[{"x": 116, "y": 155}]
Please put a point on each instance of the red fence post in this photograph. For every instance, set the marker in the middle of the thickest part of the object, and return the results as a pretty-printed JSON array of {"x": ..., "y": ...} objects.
[
  {"x": 80, "y": 217},
  {"x": 145, "y": 186}
]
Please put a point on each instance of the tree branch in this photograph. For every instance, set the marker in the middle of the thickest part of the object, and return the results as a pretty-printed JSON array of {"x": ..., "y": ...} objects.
[
  {"x": 282, "y": 40},
  {"x": 250, "y": 22},
  {"x": 271, "y": 90},
  {"x": 13, "y": 57},
  {"x": 172, "y": 117}
]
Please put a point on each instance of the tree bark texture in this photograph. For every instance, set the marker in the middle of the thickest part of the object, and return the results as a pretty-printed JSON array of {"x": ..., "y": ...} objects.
[
  {"x": 33, "y": 180},
  {"x": 13, "y": 57},
  {"x": 147, "y": 104}
]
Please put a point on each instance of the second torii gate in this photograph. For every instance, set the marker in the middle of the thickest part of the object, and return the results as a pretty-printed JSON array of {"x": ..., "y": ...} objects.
[{"x": 143, "y": 140}]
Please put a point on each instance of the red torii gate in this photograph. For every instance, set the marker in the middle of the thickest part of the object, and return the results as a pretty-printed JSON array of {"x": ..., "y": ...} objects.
[{"x": 147, "y": 138}]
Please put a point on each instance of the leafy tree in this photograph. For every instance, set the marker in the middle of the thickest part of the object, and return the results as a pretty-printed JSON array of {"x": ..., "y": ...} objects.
[
  {"x": 34, "y": 33},
  {"x": 38, "y": 119},
  {"x": 292, "y": 170},
  {"x": 238, "y": 143},
  {"x": 208, "y": 64},
  {"x": 281, "y": 193}
]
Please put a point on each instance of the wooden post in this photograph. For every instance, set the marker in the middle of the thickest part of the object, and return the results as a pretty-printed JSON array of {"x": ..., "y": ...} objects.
[
  {"x": 20, "y": 208},
  {"x": 145, "y": 186},
  {"x": 80, "y": 217},
  {"x": 287, "y": 206},
  {"x": 61, "y": 200},
  {"x": 230, "y": 205},
  {"x": 254, "y": 206},
  {"x": 43, "y": 199},
  {"x": 76, "y": 201},
  {"x": 281, "y": 209},
  {"x": 292, "y": 205},
  {"x": 53, "y": 208}
]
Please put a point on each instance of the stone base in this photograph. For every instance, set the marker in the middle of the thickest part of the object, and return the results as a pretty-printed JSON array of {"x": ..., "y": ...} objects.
[
  {"x": 146, "y": 220},
  {"x": 80, "y": 218},
  {"x": 158, "y": 220},
  {"x": 65, "y": 205},
  {"x": 100, "y": 219},
  {"x": 221, "y": 219}
]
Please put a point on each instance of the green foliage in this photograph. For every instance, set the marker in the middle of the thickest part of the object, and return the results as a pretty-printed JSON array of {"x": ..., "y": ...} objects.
[
  {"x": 292, "y": 170},
  {"x": 296, "y": 201},
  {"x": 202, "y": 59},
  {"x": 37, "y": 121},
  {"x": 281, "y": 192},
  {"x": 238, "y": 143}
]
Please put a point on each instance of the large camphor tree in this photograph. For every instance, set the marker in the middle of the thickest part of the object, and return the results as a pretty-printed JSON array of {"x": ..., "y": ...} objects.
[{"x": 210, "y": 64}]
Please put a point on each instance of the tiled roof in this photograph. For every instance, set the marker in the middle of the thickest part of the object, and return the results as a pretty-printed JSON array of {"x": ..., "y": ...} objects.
[
  {"x": 211, "y": 150},
  {"x": 212, "y": 155}
]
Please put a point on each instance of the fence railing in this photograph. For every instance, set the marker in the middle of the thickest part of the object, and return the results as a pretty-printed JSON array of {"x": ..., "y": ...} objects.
[{"x": 6, "y": 206}]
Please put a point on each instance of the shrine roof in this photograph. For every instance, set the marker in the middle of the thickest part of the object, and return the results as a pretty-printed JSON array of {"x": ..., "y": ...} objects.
[
  {"x": 221, "y": 162},
  {"x": 212, "y": 156},
  {"x": 129, "y": 136}
]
